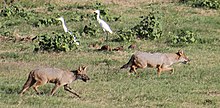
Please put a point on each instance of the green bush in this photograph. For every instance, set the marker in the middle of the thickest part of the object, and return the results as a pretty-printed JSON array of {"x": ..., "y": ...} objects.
[
  {"x": 183, "y": 37},
  {"x": 91, "y": 29},
  {"x": 16, "y": 10},
  {"x": 10, "y": 11},
  {"x": 56, "y": 42},
  {"x": 125, "y": 35},
  {"x": 42, "y": 22},
  {"x": 212, "y": 4},
  {"x": 150, "y": 27}
]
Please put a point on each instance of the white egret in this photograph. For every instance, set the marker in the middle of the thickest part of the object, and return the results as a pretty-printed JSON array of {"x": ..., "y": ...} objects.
[
  {"x": 66, "y": 29},
  {"x": 103, "y": 24}
]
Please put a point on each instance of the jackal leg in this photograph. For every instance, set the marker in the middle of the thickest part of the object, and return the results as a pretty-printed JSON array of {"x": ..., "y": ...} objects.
[
  {"x": 168, "y": 69},
  {"x": 37, "y": 84},
  {"x": 159, "y": 70},
  {"x": 132, "y": 69},
  {"x": 27, "y": 85},
  {"x": 57, "y": 85},
  {"x": 67, "y": 88}
]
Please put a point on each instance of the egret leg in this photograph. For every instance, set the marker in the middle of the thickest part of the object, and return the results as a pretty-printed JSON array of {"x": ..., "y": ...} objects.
[{"x": 106, "y": 39}]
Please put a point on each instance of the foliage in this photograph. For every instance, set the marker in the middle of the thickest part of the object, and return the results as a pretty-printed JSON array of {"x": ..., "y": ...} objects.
[
  {"x": 55, "y": 42},
  {"x": 90, "y": 29},
  {"x": 183, "y": 37},
  {"x": 212, "y": 4},
  {"x": 16, "y": 10},
  {"x": 126, "y": 35},
  {"x": 150, "y": 27},
  {"x": 45, "y": 22},
  {"x": 10, "y": 11}
]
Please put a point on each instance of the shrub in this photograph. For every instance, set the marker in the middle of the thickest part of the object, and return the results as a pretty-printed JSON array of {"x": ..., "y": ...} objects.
[
  {"x": 150, "y": 27},
  {"x": 125, "y": 35},
  {"x": 45, "y": 22},
  {"x": 10, "y": 11},
  {"x": 212, "y": 4},
  {"x": 91, "y": 29},
  {"x": 16, "y": 10},
  {"x": 183, "y": 37},
  {"x": 55, "y": 42}
]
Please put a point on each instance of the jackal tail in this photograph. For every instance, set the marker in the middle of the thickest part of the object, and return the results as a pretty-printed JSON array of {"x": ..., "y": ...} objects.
[
  {"x": 30, "y": 81},
  {"x": 129, "y": 63}
]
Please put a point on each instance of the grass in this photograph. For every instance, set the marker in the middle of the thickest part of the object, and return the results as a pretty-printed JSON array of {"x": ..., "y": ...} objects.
[{"x": 192, "y": 85}]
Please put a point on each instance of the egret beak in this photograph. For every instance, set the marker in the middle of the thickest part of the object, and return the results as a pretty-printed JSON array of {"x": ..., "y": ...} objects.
[{"x": 58, "y": 19}]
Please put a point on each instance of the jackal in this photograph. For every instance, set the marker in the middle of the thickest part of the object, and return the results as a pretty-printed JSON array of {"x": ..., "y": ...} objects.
[
  {"x": 161, "y": 61},
  {"x": 41, "y": 76}
]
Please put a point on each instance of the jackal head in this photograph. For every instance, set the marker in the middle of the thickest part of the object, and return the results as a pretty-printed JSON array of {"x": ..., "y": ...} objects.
[
  {"x": 81, "y": 73},
  {"x": 182, "y": 57}
]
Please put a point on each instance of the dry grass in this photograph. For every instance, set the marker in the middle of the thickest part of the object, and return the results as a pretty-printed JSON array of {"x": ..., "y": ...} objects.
[{"x": 129, "y": 3}]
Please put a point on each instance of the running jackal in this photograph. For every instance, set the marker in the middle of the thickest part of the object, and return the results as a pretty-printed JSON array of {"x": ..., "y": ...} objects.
[
  {"x": 161, "y": 61},
  {"x": 41, "y": 76}
]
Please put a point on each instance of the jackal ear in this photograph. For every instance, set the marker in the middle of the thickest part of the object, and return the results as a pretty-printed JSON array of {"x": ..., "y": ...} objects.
[
  {"x": 80, "y": 68},
  {"x": 180, "y": 52},
  {"x": 84, "y": 67}
]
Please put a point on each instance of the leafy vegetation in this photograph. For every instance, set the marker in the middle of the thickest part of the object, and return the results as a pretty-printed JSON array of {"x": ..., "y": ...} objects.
[
  {"x": 183, "y": 37},
  {"x": 55, "y": 42},
  {"x": 11, "y": 11},
  {"x": 16, "y": 10},
  {"x": 126, "y": 35},
  {"x": 211, "y": 4},
  {"x": 45, "y": 22},
  {"x": 91, "y": 29},
  {"x": 150, "y": 27}
]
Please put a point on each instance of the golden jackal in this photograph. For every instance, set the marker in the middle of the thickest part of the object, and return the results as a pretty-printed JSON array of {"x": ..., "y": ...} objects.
[
  {"x": 41, "y": 76},
  {"x": 161, "y": 61}
]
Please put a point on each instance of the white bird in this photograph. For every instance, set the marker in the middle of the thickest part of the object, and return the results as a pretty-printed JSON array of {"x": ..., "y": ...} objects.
[
  {"x": 66, "y": 29},
  {"x": 103, "y": 24}
]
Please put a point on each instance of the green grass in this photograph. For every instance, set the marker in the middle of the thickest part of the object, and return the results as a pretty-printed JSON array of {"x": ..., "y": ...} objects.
[{"x": 192, "y": 85}]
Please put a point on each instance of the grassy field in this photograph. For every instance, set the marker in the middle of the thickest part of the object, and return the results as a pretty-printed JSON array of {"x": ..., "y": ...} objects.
[{"x": 194, "y": 85}]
